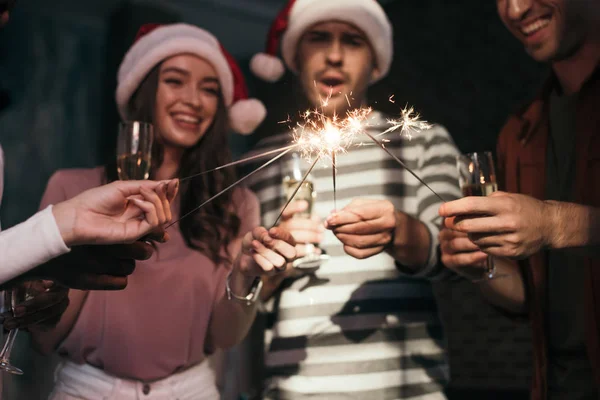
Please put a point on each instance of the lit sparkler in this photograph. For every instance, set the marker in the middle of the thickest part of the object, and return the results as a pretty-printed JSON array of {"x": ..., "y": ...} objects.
[
  {"x": 319, "y": 136},
  {"x": 410, "y": 122}
]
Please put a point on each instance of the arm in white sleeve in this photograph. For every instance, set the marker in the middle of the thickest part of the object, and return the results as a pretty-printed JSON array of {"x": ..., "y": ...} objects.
[{"x": 29, "y": 244}]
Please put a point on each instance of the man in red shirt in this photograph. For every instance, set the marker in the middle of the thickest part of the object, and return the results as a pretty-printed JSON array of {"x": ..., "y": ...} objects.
[{"x": 544, "y": 231}]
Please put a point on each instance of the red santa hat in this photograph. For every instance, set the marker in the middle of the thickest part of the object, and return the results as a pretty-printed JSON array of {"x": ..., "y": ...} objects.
[
  {"x": 299, "y": 15},
  {"x": 155, "y": 43}
]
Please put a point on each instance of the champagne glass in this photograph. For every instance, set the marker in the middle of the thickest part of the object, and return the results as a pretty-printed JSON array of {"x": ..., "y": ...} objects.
[
  {"x": 477, "y": 177},
  {"x": 134, "y": 150},
  {"x": 292, "y": 177},
  {"x": 9, "y": 299}
]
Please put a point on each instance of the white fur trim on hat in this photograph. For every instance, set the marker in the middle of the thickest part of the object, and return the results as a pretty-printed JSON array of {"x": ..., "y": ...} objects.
[
  {"x": 162, "y": 43},
  {"x": 267, "y": 67},
  {"x": 246, "y": 115},
  {"x": 366, "y": 15}
]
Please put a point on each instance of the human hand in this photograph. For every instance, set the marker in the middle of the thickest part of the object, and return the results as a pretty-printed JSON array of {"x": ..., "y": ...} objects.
[
  {"x": 501, "y": 224},
  {"x": 461, "y": 255},
  {"x": 365, "y": 227},
  {"x": 95, "y": 267},
  {"x": 303, "y": 230},
  {"x": 266, "y": 252},
  {"x": 43, "y": 310},
  {"x": 120, "y": 212}
]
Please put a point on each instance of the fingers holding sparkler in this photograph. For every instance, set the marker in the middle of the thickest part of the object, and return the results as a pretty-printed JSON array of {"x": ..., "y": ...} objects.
[{"x": 266, "y": 252}]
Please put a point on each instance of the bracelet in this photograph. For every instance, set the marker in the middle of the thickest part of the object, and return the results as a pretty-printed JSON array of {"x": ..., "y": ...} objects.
[{"x": 251, "y": 297}]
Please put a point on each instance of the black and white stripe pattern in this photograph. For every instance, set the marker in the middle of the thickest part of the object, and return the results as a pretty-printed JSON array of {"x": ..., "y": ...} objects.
[{"x": 364, "y": 330}]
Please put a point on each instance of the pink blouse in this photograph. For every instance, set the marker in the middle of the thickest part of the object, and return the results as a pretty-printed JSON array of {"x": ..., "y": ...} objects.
[{"x": 158, "y": 325}]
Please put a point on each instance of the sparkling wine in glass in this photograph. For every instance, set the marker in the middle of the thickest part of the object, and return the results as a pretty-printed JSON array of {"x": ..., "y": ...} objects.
[
  {"x": 477, "y": 177},
  {"x": 292, "y": 177},
  {"x": 9, "y": 299},
  {"x": 134, "y": 150}
]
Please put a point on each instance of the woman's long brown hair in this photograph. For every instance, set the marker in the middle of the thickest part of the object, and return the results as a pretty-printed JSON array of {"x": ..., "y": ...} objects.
[{"x": 214, "y": 226}]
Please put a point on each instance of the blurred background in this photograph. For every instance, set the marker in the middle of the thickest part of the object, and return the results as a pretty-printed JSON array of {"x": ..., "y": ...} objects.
[{"x": 454, "y": 62}]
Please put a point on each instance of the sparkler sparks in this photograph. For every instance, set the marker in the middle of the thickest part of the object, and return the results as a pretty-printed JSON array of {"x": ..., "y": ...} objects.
[
  {"x": 320, "y": 136},
  {"x": 410, "y": 122}
]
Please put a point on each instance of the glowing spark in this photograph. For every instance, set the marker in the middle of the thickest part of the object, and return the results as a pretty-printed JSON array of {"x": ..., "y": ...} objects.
[
  {"x": 408, "y": 124},
  {"x": 391, "y": 99},
  {"x": 322, "y": 136}
]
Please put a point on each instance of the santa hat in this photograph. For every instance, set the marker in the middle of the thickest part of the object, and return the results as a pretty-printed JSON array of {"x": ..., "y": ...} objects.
[
  {"x": 155, "y": 43},
  {"x": 299, "y": 15}
]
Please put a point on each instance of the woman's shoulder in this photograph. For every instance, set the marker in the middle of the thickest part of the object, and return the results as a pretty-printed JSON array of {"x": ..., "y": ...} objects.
[{"x": 78, "y": 179}]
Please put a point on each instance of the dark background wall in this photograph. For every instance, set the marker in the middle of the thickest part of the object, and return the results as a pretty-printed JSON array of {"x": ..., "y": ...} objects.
[{"x": 454, "y": 62}]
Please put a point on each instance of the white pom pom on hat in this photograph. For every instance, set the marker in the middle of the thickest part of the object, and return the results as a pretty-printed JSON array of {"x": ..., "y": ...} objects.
[
  {"x": 267, "y": 67},
  {"x": 244, "y": 115},
  {"x": 299, "y": 15},
  {"x": 155, "y": 43}
]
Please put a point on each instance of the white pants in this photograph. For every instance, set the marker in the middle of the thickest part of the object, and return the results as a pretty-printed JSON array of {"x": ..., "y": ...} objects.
[{"x": 84, "y": 382}]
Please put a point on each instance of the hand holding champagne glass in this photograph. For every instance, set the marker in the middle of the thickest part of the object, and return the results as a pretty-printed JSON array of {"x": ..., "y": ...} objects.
[
  {"x": 9, "y": 299},
  {"x": 477, "y": 177}
]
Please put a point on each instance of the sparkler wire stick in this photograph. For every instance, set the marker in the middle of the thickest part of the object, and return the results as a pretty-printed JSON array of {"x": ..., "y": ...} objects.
[
  {"x": 231, "y": 186},
  {"x": 244, "y": 160},
  {"x": 296, "y": 190},
  {"x": 403, "y": 164},
  {"x": 333, "y": 166}
]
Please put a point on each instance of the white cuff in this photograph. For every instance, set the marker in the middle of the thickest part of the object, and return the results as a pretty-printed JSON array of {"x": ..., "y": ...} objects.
[
  {"x": 29, "y": 244},
  {"x": 432, "y": 269}
]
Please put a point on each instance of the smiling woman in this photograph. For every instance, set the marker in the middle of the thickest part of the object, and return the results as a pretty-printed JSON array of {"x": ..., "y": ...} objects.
[
  {"x": 184, "y": 302},
  {"x": 182, "y": 97}
]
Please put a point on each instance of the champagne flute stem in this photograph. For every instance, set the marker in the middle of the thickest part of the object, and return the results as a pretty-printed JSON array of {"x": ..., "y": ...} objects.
[
  {"x": 490, "y": 268},
  {"x": 8, "y": 345},
  {"x": 296, "y": 191}
]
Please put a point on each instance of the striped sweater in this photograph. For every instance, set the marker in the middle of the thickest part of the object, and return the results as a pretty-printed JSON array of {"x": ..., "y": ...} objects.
[{"x": 361, "y": 329}]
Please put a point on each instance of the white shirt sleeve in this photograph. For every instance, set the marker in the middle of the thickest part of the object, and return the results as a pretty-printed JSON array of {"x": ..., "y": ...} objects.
[{"x": 29, "y": 244}]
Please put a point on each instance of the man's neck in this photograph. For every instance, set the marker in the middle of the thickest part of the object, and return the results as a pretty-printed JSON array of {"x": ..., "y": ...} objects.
[{"x": 574, "y": 71}]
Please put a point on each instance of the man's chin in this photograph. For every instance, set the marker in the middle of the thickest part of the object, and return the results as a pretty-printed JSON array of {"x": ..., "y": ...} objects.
[{"x": 546, "y": 53}]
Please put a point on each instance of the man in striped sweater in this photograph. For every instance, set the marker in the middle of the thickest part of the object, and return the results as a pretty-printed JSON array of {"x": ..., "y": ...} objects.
[{"x": 365, "y": 325}]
